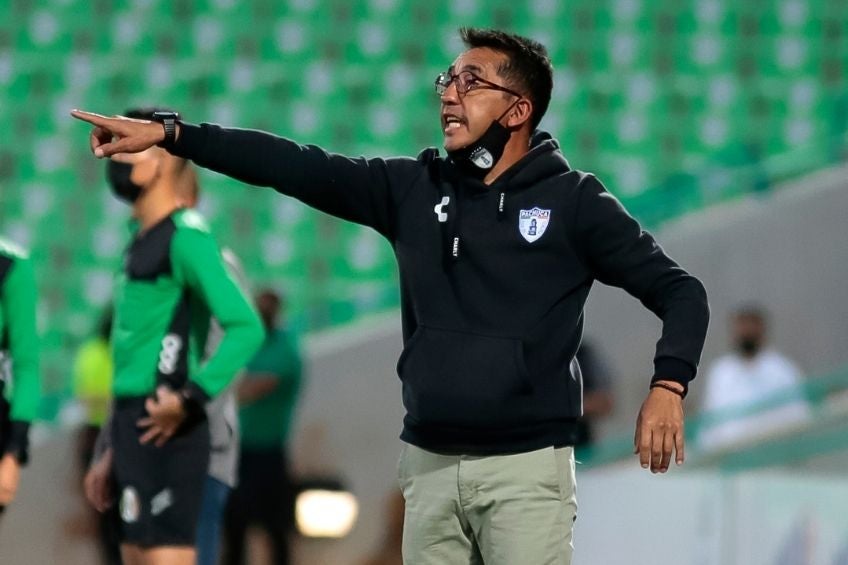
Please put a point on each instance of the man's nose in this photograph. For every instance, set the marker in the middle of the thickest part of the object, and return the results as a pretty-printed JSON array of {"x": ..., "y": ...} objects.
[{"x": 451, "y": 94}]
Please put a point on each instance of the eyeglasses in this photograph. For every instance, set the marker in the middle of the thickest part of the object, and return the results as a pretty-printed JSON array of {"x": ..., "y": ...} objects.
[{"x": 466, "y": 81}]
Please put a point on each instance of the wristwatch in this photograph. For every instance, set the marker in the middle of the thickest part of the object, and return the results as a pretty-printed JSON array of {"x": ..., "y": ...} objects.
[{"x": 169, "y": 123}]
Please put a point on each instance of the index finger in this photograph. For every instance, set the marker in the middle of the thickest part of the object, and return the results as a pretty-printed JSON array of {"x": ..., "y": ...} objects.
[{"x": 92, "y": 118}]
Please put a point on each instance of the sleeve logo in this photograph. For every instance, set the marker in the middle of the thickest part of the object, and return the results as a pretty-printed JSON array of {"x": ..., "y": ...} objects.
[{"x": 172, "y": 344}]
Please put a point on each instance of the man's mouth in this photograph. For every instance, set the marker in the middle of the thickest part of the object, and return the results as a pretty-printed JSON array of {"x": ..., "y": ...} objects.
[{"x": 452, "y": 123}]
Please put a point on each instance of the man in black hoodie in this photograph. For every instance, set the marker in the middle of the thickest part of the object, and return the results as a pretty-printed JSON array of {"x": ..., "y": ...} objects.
[{"x": 498, "y": 245}]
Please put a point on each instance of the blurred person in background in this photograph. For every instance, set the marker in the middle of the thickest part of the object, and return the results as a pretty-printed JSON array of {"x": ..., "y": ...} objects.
[
  {"x": 173, "y": 282},
  {"x": 597, "y": 397},
  {"x": 19, "y": 365},
  {"x": 221, "y": 412},
  {"x": 92, "y": 380},
  {"x": 752, "y": 373},
  {"x": 498, "y": 245},
  {"x": 267, "y": 397}
]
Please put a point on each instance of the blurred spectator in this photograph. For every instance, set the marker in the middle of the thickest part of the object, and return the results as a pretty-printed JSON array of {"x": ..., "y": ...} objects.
[
  {"x": 267, "y": 398},
  {"x": 93, "y": 388},
  {"x": 389, "y": 552},
  {"x": 750, "y": 374},
  {"x": 597, "y": 396}
]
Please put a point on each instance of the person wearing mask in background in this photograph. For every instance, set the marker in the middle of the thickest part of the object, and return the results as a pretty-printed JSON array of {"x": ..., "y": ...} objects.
[
  {"x": 92, "y": 383},
  {"x": 751, "y": 374},
  {"x": 267, "y": 397},
  {"x": 173, "y": 281},
  {"x": 19, "y": 365}
]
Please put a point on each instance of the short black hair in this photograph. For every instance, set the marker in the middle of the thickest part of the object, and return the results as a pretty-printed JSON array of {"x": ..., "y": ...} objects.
[{"x": 527, "y": 68}]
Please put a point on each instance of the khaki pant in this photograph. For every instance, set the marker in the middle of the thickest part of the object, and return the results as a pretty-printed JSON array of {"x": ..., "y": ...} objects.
[{"x": 494, "y": 510}]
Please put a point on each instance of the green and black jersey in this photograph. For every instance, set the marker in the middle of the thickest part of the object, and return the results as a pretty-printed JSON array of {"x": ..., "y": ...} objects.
[
  {"x": 18, "y": 348},
  {"x": 173, "y": 280}
]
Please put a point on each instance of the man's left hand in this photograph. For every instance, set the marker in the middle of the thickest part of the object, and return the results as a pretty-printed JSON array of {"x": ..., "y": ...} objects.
[
  {"x": 659, "y": 429},
  {"x": 165, "y": 415}
]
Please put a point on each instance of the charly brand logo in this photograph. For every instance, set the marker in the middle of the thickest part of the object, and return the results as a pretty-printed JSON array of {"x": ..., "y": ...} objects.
[
  {"x": 482, "y": 158},
  {"x": 442, "y": 216},
  {"x": 533, "y": 223},
  {"x": 130, "y": 505}
]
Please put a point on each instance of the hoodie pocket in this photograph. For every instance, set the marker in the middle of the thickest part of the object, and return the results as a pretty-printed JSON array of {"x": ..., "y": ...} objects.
[{"x": 453, "y": 378}]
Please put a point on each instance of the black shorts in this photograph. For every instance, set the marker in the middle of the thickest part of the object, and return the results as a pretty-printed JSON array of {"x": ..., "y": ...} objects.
[{"x": 159, "y": 489}]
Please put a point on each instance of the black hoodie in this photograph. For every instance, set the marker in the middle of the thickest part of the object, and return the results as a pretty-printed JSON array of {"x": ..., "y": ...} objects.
[{"x": 493, "y": 278}]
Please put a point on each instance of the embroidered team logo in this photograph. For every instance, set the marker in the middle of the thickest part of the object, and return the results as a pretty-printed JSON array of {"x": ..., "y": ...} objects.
[
  {"x": 533, "y": 223},
  {"x": 130, "y": 505}
]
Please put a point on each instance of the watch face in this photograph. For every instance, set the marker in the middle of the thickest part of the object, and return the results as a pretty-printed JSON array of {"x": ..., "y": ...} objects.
[{"x": 165, "y": 116}]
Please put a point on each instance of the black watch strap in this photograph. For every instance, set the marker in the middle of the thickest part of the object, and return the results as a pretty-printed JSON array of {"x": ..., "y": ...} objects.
[{"x": 169, "y": 124}]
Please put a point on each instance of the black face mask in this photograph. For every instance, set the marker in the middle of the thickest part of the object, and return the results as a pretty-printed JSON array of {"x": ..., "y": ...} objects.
[
  {"x": 122, "y": 185},
  {"x": 479, "y": 157},
  {"x": 748, "y": 346}
]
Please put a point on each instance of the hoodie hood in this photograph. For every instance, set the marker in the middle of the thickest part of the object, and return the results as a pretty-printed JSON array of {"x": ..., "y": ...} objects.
[{"x": 544, "y": 160}]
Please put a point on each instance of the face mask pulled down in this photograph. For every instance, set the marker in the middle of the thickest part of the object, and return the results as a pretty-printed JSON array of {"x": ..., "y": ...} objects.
[{"x": 480, "y": 156}]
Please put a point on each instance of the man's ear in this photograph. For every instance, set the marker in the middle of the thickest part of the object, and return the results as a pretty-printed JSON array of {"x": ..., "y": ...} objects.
[{"x": 520, "y": 113}]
